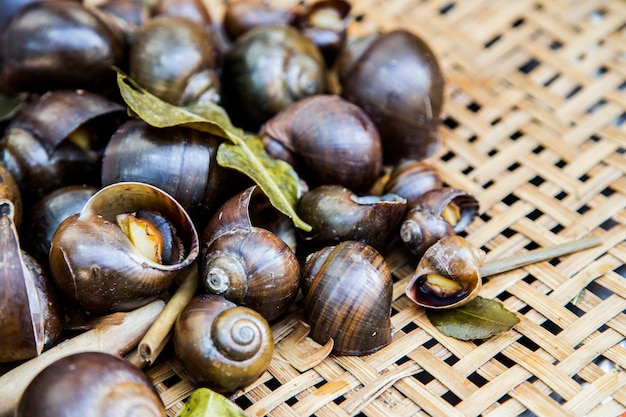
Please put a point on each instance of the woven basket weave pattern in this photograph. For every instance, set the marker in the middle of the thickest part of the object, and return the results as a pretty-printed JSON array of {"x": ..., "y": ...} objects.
[{"x": 534, "y": 126}]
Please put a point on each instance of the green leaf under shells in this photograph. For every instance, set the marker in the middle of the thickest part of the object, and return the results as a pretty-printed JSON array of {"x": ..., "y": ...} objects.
[
  {"x": 479, "y": 319},
  {"x": 206, "y": 403},
  {"x": 276, "y": 178}
]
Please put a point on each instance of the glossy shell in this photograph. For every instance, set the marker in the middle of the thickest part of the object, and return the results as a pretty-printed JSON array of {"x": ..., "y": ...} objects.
[
  {"x": 40, "y": 49},
  {"x": 410, "y": 179},
  {"x": 30, "y": 315},
  {"x": 44, "y": 156},
  {"x": 454, "y": 259},
  {"x": 174, "y": 59},
  {"x": 222, "y": 346},
  {"x": 327, "y": 140},
  {"x": 337, "y": 214},
  {"x": 348, "y": 291},
  {"x": 48, "y": 213},
  {"x": 179, "y": 160},
  {"x": 94, "y": 264},
  {"x": 266, "y": 70},
  {"x": 395, "y": 77},
  {"x": 90, "y": 384},
  {"x": 249, "y": 265},
  {"x": 428, "y": 220}
]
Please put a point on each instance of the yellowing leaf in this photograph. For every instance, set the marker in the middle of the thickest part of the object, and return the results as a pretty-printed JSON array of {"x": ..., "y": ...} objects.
[
  {"x": 206, "y": 403},
  {"x": 479, "y": 319},
  {"x": 267, "y": 172},
  {"x": 276, "y": 178}
]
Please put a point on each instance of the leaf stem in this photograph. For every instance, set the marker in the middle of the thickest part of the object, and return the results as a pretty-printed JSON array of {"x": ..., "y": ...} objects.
[{"x": 538, "y": 255}]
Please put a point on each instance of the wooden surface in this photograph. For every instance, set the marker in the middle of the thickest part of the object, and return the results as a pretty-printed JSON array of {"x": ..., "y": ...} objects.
[{"x": 534, "y": 125}]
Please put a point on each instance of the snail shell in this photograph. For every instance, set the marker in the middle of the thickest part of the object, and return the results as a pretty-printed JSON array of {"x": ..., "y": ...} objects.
[
  {"x": 47, "y": 214},
  {"x": 243, "y": 15},
  {"x": 43, "y": 156},
  {"x": 95, "y": 264},
  {"x": 40, "y": 51},
  {"x": 249, "y": 265},
  {"x": 179, "y": 160},
  {"x": 222, "y": 346},
  {"x": 348, "y": 293},
  {"x": 30, "y": 316},
  {"x": 437, "y": 213},
  {"x": 337, "y": 214},
  {"x": 325, "y": 22},
  {"x": 267, "y": 69},
  {"x": 90, "y": 384},
  {"x": 410, "y": 179},
  {"x": 174, "y": 59},
  {"x": 448, "y": 275},
  {"x": 327, "y": 140},
  {"x": 396, "y": 79}
]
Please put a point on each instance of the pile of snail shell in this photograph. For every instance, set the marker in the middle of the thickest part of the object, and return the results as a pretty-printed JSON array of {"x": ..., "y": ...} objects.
[{"x": 102, "y": 213}]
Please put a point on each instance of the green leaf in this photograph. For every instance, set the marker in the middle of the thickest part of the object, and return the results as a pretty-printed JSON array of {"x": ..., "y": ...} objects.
[
  {"x": 205, "y": 403},
  {"x": 277, "y": 179},
  {"x": 9, "y": 106},
  {"x": 479, "y": 319},
  {"x": 273, "y": 176}
]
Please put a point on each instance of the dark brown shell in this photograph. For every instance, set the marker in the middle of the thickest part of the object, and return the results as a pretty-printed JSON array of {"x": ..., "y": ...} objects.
[
  {"x": 42, "y": 156},
  {"x": 243, "y": 15},
  {"x": 424, "y": 224},
  {"x": 96, "y": 266},
  {"x": 221, "y": 345},
  {"x": 455, "y": 259},
  {"x": 47, "y": 214},
  {"x": 90, "y": 384},
  {"x": 348, "y": 292},
  {"x": 266, "y": 70},
  {"x": 327, "y": 140},
  {"x": 40, "y": 51},
  {"x": 396, "y": 79},
  {"x": 179, "y": 160},
  {"x": 246, "y": 263},
  {"x": 337, "y": 214},
  {"x": 410, "y": 179},
  {"x": 30, "y": 315},
  {"x": 174, "y": 59}
]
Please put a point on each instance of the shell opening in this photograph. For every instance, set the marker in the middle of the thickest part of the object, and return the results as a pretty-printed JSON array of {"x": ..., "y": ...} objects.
[
  {"x": 326, "y": 18},
  {"x": 442, "y": 286},
  {"x": 451, "y": 213},
  {"x": 152, "y": 235}
]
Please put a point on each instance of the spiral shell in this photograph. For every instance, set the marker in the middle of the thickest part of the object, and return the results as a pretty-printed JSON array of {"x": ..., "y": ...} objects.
[
  {"x": 221, "y": 345},
  {"x": 327, "y": 140},
  {"x": 30, "y": 315},
  {"x": 95, "y": 264},
  {"x": 348, "y": 292},
  {"x": 448, "y": 275},
  {"x": 266, "y": 70},
  {"x": 90, "y": 384},
  {"x": 438, "y": 213},
  {"x": 249, "y": 265},
  {"x": 337, "y": 214}
]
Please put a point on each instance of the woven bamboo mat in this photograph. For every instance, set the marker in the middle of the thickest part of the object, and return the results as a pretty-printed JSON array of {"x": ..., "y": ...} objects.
[{"x": 534, "y": 126}]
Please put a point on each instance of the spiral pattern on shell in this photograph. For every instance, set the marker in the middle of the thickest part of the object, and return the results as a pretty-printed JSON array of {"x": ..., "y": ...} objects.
[
  {"x": 243, "y": 338},
  {"x": 220, "y": 345}
]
